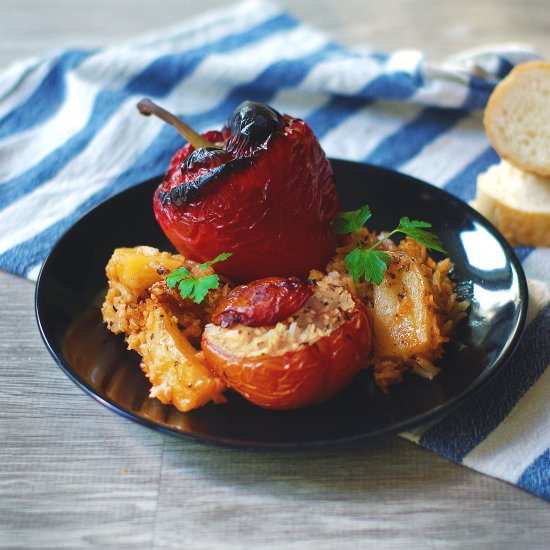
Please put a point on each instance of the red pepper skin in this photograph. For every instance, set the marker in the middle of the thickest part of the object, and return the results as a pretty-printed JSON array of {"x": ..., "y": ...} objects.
[
  {"x": 305, "y": 376},
  {"x": 263, "y": 303},
  {"x": 275, "y": 215}
]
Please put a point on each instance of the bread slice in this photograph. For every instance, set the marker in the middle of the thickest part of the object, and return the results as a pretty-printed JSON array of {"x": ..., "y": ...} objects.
[
  {"x": 516, "y": 202},
  {"x": 517, "y": 117}
]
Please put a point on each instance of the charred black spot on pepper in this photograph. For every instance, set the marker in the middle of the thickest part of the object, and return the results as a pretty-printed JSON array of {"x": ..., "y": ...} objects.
[
  {"x": 191, "y": 190},
  {"x": 252, "y": 125},
  {"x": 205, "y": 157}
]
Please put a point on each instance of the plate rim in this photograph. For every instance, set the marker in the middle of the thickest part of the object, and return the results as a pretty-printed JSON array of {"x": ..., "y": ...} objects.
[{"x": 407, "y": 424}]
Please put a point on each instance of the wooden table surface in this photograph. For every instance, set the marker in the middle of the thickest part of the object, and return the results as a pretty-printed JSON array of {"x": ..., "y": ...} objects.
[{"x": 74, "y": 475}]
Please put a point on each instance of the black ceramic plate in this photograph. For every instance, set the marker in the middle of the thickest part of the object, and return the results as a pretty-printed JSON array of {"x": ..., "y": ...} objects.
[{"x": 67, "y": 309}]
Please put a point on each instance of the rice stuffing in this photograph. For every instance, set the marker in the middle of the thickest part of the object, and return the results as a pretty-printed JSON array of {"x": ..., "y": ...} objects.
[
  {"x": 414, "y": 310},
  {"x": 325, "y": 311}
]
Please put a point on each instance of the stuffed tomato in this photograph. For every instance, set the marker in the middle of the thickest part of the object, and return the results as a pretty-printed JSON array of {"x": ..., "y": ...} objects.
[{"x": 293, "y": 358}]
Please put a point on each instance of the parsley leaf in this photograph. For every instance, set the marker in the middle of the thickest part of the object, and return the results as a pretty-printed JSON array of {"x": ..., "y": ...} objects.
[
  {"x": 194, "y": 288},
  {"x": 404, "y": 222},
  {"x": 174, "y": 277},
  {"x": 187, "y": 287},
  {"x": 202, "y": 286},
  {"x": 370, "y": 263},
  {"x": 219, "y": 258},
  {"x": 366, "y": 263},
  {"x": 416, "y": 230},
  {"x": 352, "y": 221}
]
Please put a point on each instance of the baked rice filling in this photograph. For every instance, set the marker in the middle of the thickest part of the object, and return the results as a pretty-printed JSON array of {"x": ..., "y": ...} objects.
[{"x": 326, "y": 310}]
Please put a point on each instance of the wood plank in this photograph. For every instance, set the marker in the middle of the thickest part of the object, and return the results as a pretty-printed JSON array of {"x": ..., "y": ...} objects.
[
  {"x": 72, "y": 474},
  {"x": 387, "y": 495}
]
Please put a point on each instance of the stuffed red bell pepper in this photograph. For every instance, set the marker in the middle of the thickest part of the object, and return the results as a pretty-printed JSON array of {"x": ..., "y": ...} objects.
[{"x": 262, "y": 189}]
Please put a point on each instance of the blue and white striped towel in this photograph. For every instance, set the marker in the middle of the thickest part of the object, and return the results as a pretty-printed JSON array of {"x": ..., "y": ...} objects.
[{"x": 70, "y": 137}]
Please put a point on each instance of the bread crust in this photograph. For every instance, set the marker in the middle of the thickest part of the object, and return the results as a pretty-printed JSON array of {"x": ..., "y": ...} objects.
[
  {"x": 498, "y": 96},
  {"x": 521, "y": 227}
]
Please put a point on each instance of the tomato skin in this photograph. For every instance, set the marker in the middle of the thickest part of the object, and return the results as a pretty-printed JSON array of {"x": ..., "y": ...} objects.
[
  {"x": 301, "y": 377},
  {"x": 274, "y": 214},
  {"x": 263, "y": 302}
]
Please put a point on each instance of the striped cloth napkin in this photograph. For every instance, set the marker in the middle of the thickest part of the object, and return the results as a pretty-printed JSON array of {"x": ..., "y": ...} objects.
[{"x": 70, "y": 138}]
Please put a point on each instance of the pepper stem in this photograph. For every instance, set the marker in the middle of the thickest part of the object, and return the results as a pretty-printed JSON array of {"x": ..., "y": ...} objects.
[{"x": 147, "y": 108}]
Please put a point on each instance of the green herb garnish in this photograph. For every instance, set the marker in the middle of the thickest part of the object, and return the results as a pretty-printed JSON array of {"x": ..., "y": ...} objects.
[
  {"x": 370, "y": 263},
  {"x": 352, "y": 221},
  {"x": 195, "y": 288}
]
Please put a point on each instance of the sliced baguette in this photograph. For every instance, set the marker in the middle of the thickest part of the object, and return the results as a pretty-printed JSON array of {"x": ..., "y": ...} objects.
[
  {"x": 516, "y": 202},
  {"x": 517, "y": 117}
]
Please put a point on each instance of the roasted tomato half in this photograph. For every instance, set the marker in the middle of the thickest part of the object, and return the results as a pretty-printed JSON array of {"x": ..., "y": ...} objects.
[
  {"x": 268, "y": 196},
  {"x": 264, "y": 302},
  {"x": 301, "y": 360}
]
